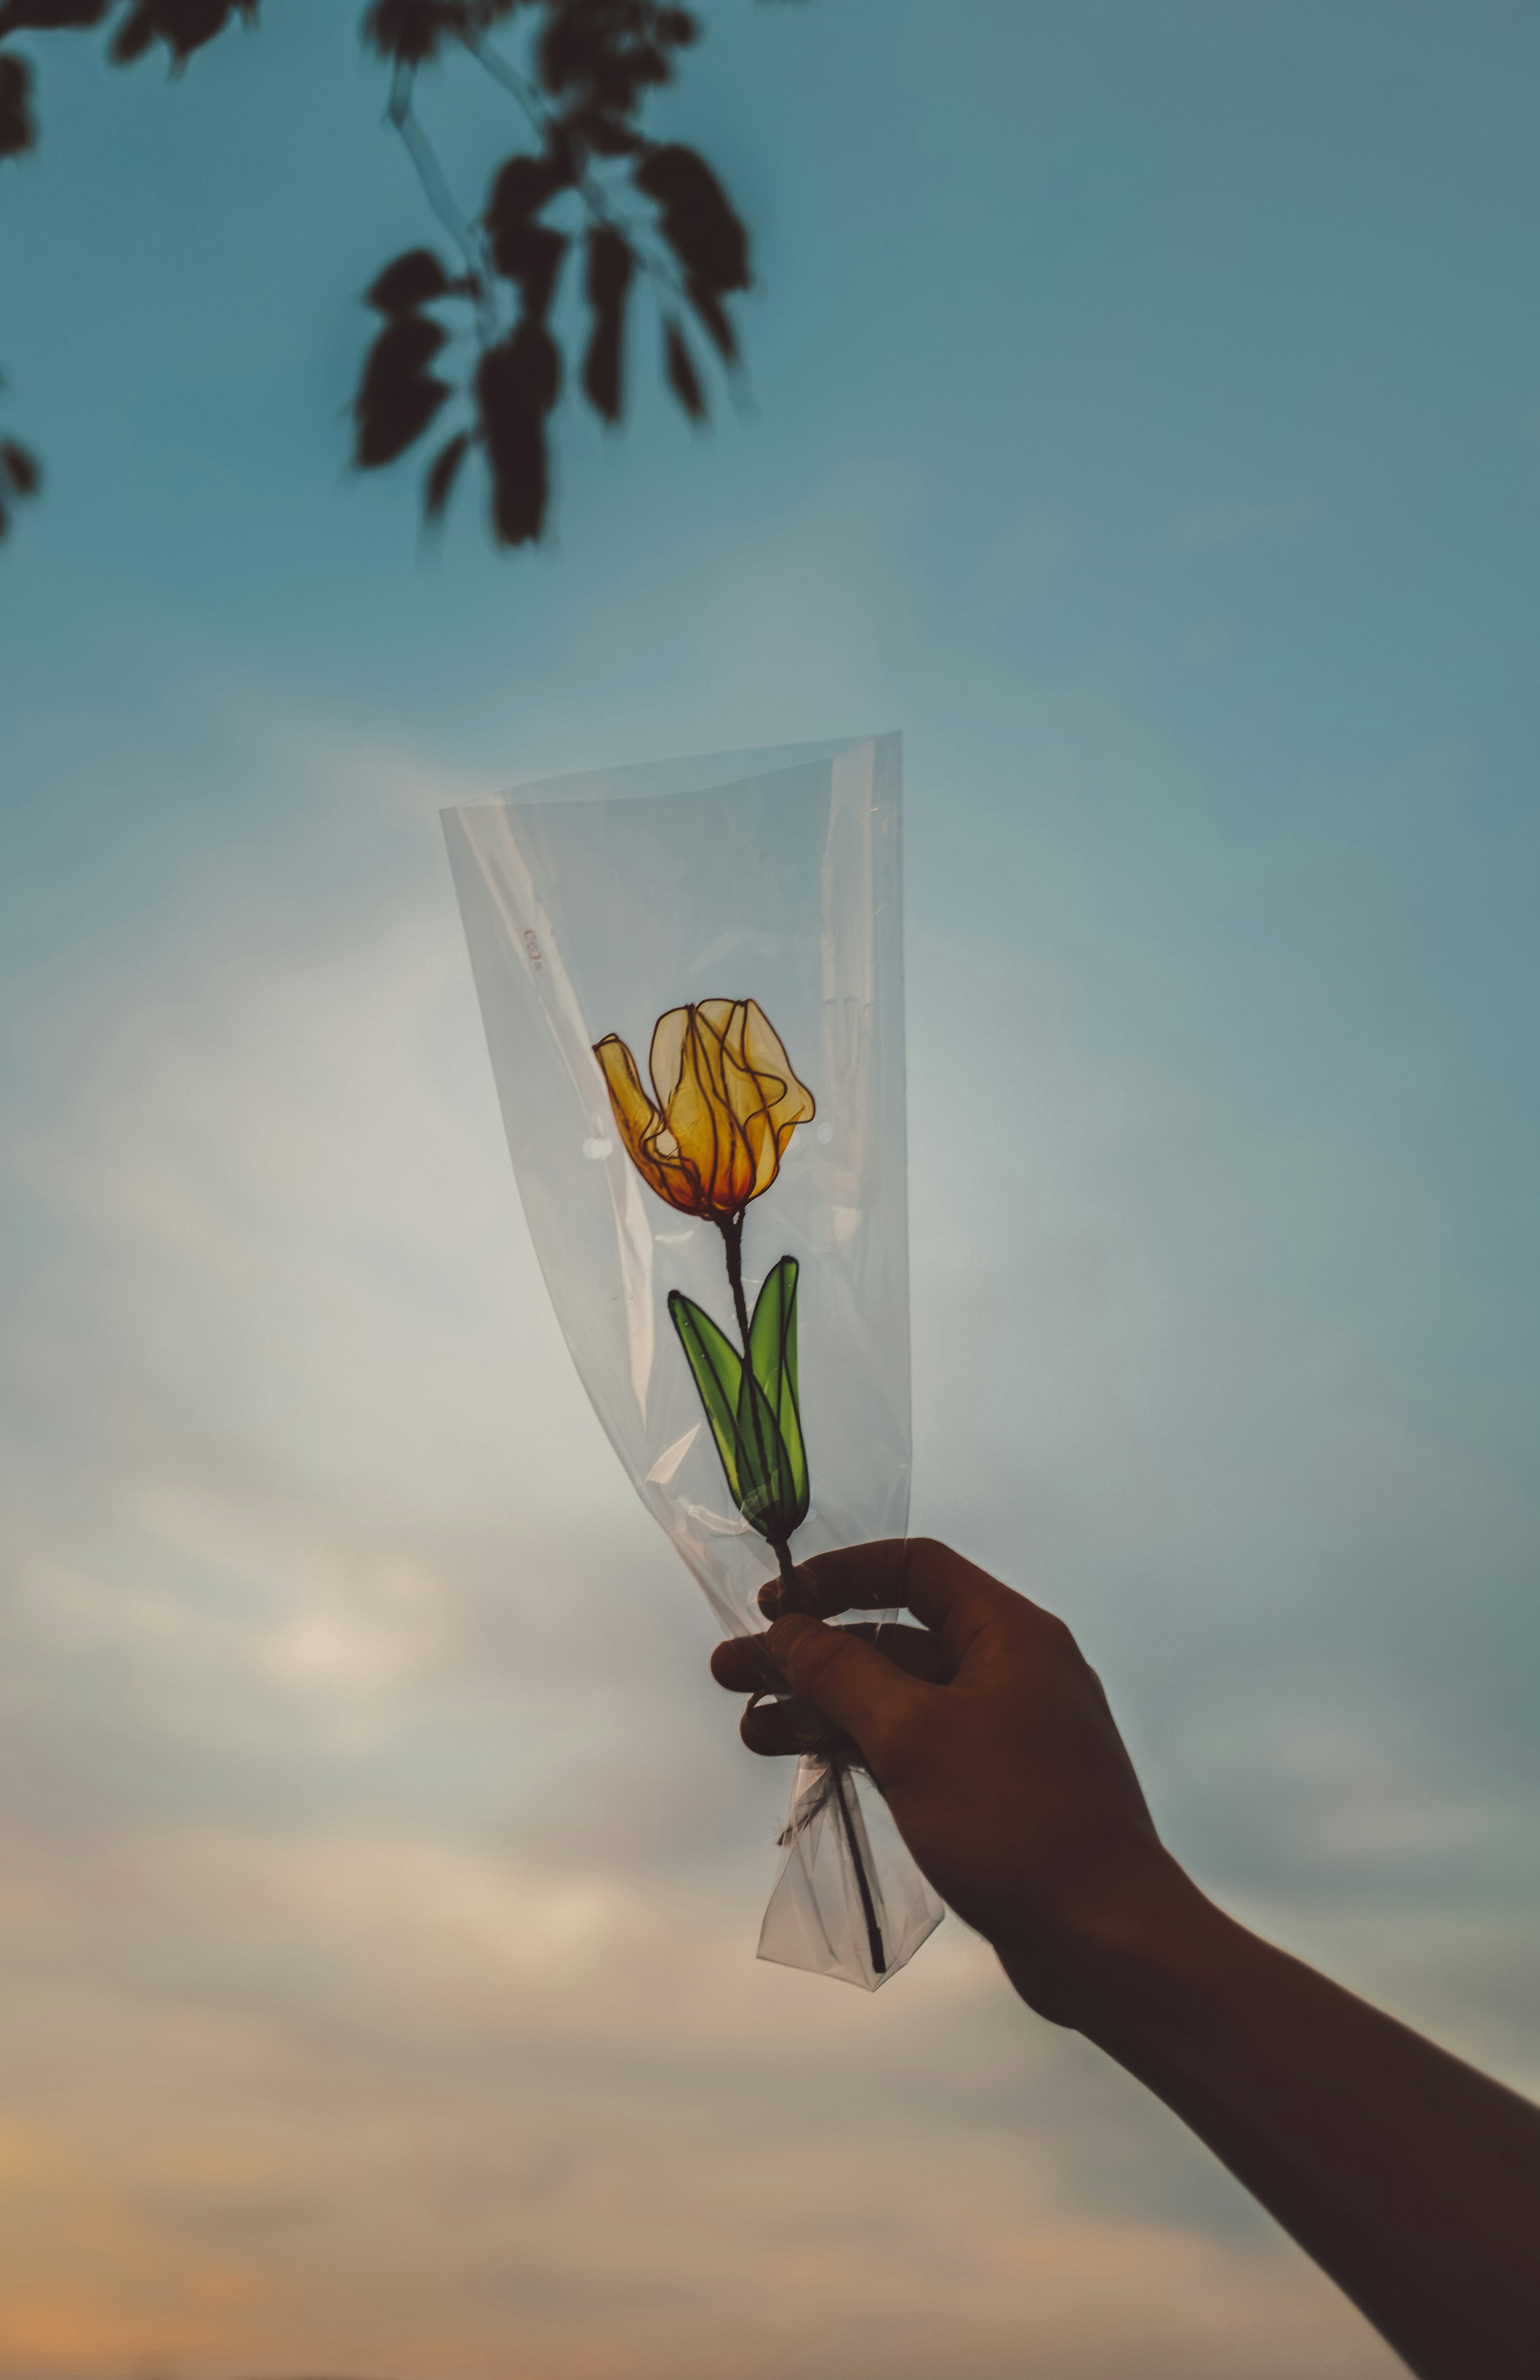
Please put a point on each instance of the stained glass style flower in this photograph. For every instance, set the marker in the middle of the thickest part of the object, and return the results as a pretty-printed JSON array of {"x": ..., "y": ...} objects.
[{"x": 724, "y": 1105}]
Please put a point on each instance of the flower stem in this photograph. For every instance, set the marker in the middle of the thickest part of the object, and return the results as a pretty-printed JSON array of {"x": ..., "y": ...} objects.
[
  {"x": 732, "y": 1238},
  {"x": 732, "y": 1230},
  {"x": 874, "y": 1932}
]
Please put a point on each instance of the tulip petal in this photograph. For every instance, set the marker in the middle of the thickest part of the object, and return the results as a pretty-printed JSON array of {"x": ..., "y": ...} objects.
[
  {"x": 666, "y": 1056},
  {"x": 701, "y": 1118},
  {"x": 696, "y": 1119},
  {"x": 765, "y": 1054},
  {"x": 784, "y": 1102},
  {"x": 634, "y": 1111}
]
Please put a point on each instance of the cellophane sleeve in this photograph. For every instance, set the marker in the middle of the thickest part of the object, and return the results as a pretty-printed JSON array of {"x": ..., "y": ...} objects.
[{"x": 595, "y": 906}]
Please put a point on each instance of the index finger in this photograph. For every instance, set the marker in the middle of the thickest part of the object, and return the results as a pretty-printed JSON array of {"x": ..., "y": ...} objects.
[{"x": 918, "y": 1574}]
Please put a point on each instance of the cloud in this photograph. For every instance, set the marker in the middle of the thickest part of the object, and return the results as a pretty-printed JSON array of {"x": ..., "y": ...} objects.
[
  {"x": 86, "y": 2280},
  {"x": 393, "y": 2100}
]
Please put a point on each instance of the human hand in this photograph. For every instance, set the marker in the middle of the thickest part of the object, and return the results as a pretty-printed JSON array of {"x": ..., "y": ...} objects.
[{"x": 990, "y": 1739}]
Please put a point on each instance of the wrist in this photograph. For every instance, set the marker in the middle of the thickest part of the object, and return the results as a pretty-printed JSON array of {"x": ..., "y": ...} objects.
[{"x": 1132, "y": 1954}]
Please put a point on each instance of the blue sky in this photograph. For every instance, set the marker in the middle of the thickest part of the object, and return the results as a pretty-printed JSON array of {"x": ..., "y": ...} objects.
[{"x": 1146, "y": 421}]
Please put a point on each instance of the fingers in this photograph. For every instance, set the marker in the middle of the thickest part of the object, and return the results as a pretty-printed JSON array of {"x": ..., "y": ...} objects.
[
  {"x": 849, "y": 1680},
  {"x": 917, "y": 1573},
  {"x": 744, "y": 1667},
  {"x": 774, "y": 1730},
  {"x": 856, "y": 1578}
]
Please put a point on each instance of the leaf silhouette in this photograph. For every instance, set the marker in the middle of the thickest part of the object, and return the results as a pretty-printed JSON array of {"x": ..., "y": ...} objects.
[
  {"x": 18, "y": 131},
  {"x": 411, "y": 30},
  {"x": 697, "y": 219},
  {"x": 532, "y": 255},
  {"x": 518, "y": 382},
  {"x": 536, "y": 360},
  {"x": 611, "y": 267},
  {"x": 50, "y": 16},
  {"x": 683, "y": 377},
  {"x": 569, "y": 50},
  {"x": 22, "y": 468},
  {"x": 609, "y": 53},
  {"x": 182, "y": 25},
  {"x": 133, "y": 37},
  {"x": 408, "y": 282},
  {"x": 606, "y": 135},
  {"x": 19, "y": 476},
  {"x": 523, "y": 187},
  {"x": 398, "y": 396},
  {"x": 445, "y": 471}
]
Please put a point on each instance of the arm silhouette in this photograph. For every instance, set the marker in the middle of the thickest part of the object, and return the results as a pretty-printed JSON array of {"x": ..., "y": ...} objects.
[{"x": 1409, "y": 2177}]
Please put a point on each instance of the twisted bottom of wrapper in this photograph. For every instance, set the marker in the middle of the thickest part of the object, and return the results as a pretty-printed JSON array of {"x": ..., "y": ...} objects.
[{"x": 848, "y": 1899}]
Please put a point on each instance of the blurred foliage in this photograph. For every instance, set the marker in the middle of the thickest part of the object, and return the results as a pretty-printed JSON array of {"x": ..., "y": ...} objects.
[{"x": 584, "y": 187}]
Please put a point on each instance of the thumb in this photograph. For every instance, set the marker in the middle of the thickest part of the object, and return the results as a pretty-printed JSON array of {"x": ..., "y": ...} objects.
[{"x": 841, "y": 1676}]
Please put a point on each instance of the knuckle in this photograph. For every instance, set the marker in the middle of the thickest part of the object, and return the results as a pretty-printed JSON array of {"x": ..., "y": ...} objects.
[
  {"x": 826, "y": 1655},
  {"x": 1055, "y": 1638},
  {"x": 783, "y": 1639}
]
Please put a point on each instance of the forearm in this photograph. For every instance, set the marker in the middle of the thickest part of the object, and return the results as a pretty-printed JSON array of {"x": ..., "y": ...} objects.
[
  {"x": 1409, "y": 2178},
  {"x": 1412, "y": 2180}
]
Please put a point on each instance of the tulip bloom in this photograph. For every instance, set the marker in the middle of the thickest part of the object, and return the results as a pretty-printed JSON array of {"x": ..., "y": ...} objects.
[{"x": 726, "y": 1104}]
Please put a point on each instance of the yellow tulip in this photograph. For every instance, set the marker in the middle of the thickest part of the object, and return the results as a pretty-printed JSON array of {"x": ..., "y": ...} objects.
[{"x": 726, "y": 1103}]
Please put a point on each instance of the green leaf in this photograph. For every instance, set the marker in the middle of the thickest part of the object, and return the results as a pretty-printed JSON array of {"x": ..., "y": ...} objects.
[
  {"x": 753, "y": 1407},
  {"x": 718, "y": 1369},
  {"x": 772, "y": 1501},
  {"x": 772, "y": 1361}
]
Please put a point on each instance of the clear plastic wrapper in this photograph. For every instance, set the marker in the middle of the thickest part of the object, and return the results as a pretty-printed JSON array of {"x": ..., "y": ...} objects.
[{"x": 691, "y": 978}]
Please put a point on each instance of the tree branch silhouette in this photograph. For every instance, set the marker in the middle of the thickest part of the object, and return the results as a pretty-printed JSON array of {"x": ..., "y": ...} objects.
[
  {"x": 590, "y": 180},
  {"x": 585, "y": 179}
]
